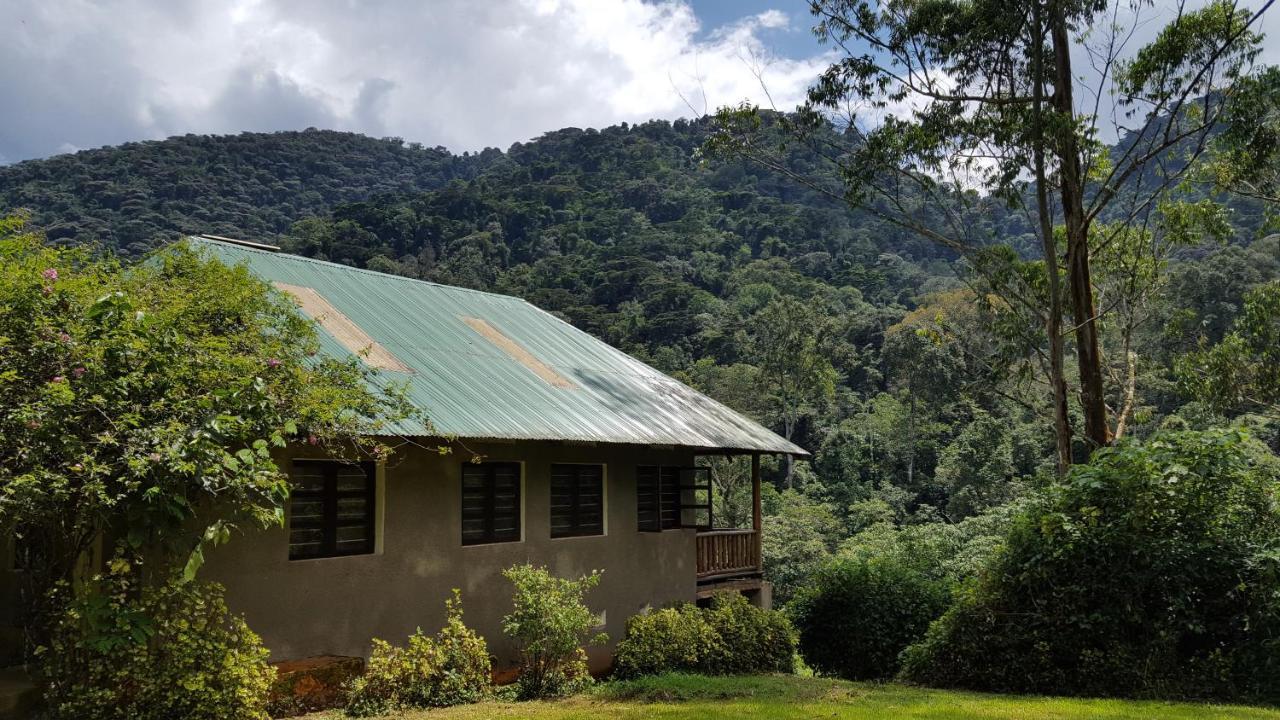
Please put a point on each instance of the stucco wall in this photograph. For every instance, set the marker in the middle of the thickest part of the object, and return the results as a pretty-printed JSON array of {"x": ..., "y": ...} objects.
[{"x": 335, "y": 605}]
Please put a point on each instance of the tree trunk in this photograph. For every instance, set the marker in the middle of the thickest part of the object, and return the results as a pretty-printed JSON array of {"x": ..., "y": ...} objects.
[
  {"x": 788, "y": 462},
  {"x": 1097, "y": 429},
  {"x": 911, "y": 442},
  {"x": 1053, "y": 318}
]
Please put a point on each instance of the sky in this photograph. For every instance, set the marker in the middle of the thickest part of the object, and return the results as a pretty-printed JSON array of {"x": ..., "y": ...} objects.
[{"x": 464, "y": 74}]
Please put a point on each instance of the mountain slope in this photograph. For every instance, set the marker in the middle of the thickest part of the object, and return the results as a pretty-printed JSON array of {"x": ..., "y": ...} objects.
[{"x": 138, "y": 195}]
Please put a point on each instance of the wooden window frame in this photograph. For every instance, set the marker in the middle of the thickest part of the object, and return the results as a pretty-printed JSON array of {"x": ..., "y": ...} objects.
[
  {"x": 329, "y": 496},
  {"x": 576, "y": 524},
  {"x": 667, "y": 486},
  {"x": 491, "y": 537}
]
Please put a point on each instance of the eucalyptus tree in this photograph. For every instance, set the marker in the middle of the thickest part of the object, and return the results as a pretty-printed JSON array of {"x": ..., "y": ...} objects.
[{"x": 947, "y": 108}]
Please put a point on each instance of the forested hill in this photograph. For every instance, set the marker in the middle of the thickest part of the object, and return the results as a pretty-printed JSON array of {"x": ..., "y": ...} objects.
[
  {"x": 849, "y": 335},
  {"x": 138, "y": 195}
]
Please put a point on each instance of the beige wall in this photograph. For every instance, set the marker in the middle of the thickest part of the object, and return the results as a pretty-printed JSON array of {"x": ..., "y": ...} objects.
[{"x": 335, "y": 605}]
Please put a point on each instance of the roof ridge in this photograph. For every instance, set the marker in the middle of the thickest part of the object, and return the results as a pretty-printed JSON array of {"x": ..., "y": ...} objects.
[{"x": 352, "y": 268}]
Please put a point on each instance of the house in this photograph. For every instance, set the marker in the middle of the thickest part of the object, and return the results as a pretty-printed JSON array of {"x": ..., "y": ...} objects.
[{"x": 563, "y": 452}]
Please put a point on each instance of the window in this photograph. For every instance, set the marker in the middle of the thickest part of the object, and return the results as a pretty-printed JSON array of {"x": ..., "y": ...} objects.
[
  {"x": 331, "y": 509},
  {"x": 577, "y": 500},
  {"x": 672, "y": 497},
  {"x": 490, "y": 502},
  {"x": 657, "y": 498}
]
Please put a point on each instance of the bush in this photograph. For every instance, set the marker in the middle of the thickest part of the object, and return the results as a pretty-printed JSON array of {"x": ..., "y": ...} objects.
[
  {"x": 859, "y": 613},
  {"x": 168, "y": 651},
  {"x": 1152, "y": 571},
  {"x": 862, "y": 608},
  {"x": 452, "y": 668},
  {"x": 751, "y": 639},
  {"x": 550, "y": 623},
  {"x": 730, "y": 637}
]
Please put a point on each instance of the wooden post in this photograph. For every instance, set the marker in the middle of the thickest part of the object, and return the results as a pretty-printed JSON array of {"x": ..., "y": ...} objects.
[{"x": 756, "y": 514}]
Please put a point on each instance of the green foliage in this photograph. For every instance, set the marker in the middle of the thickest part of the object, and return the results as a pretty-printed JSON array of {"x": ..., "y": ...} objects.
[
  {"x": 549, "y": 623},
  {"x": 860, "y": 609},
  {"x": 144, "y": 402},
  {"x": 752, "y": 640},
  {"x": 129, "y": 651},
  {"x": 134, "y": 197},
  {"x": 799, "y": 534},
  {"x": 857, "y": 614},
  {"x": 451, "y": 668},
  {"x": 676, "y": 638},
  {"x": 732, "y": 637},
  {"x": 1243, "y": 371},
  {"x": 1150, "y": 571},
  {"x": 1247, "y": 157}
]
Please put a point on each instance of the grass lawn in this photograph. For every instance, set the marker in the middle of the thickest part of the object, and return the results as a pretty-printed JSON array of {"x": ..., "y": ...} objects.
[{"x": 700, "y": 698}]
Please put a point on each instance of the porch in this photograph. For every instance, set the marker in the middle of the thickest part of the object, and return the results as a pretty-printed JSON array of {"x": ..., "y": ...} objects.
[{"x": 729, "y": 554}]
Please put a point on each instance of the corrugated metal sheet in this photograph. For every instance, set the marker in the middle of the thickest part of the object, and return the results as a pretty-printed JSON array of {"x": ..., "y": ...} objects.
[{"x": 470, "y": 387}]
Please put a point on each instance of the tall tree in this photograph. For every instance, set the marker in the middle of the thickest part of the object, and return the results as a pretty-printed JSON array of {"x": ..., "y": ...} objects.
[
  {"x": 949, "y": 108},
  {"x": 788, "y": 341}
]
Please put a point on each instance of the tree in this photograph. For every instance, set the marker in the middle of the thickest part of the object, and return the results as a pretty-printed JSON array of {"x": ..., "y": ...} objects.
[
  {"x": 141, "y": 405},
  {"x": 1147, "y": 571},
  {"x": 1247, "y": 152},
  {"x": 789, "y": 342},
  {"x": 1241, "y": 373},
  {"x": 974, "y": 104}
]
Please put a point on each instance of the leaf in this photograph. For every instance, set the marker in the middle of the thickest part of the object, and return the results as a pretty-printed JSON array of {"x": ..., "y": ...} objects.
[{"x": 194, "y": 561}]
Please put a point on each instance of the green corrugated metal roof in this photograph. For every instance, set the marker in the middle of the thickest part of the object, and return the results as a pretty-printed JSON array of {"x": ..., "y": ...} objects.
[{"x": 470, "y": 387}]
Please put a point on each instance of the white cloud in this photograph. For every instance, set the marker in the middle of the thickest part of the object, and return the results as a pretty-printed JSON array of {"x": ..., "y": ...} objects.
[{"x": 457, "y": 73}]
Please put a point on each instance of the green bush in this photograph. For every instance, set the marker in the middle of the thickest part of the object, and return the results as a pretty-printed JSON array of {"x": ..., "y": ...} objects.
[
  {"x": 1154, "y": 571},
  {"x": 730, "y": 637},
  {"x": 451, "y": 668},
  {"x": 751, "y": 640},
  {"x": 859, "y": 612},
  {"x": 550, "y": 623},
  {"x": 886, "y": 584},
  {"x": 169, "y": 651}
]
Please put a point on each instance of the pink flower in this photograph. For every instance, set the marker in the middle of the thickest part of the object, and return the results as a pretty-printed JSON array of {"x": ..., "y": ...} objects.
[
  {"x": 57, "y": 379},
  {"x": 77, "y": 372},
  {"x": 49, "y": 274},
  {"x": 46, "y": 290},
  {"x": 313, "y": 440},
  {"x": 64, "y": 337},
  {"x": 272, "y": 362},
  {"x": 155, "y": 457}
]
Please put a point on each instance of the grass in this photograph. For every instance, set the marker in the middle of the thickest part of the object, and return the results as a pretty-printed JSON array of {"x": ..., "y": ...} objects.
[{"x": 691, "y": 697}]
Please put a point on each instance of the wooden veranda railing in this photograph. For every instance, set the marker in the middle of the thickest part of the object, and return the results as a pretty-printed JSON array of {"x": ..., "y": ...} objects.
[{"x": 726, "y": 553}]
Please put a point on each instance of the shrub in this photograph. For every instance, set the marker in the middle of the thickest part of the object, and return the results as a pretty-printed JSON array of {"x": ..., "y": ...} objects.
[
  {"x": 167, "y": 651},
  {"x": 451, "y": 668},
  {"x": 731, "y": 637},
  {"x": 667, "y": 640},
  {"x": 550, "y": 624},
  {"x": 1151, "y": 571},
  {"x": 859, "y": 613},
  {"x": 879, "y": 594},
  {"x": 751, "y": 639}
]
